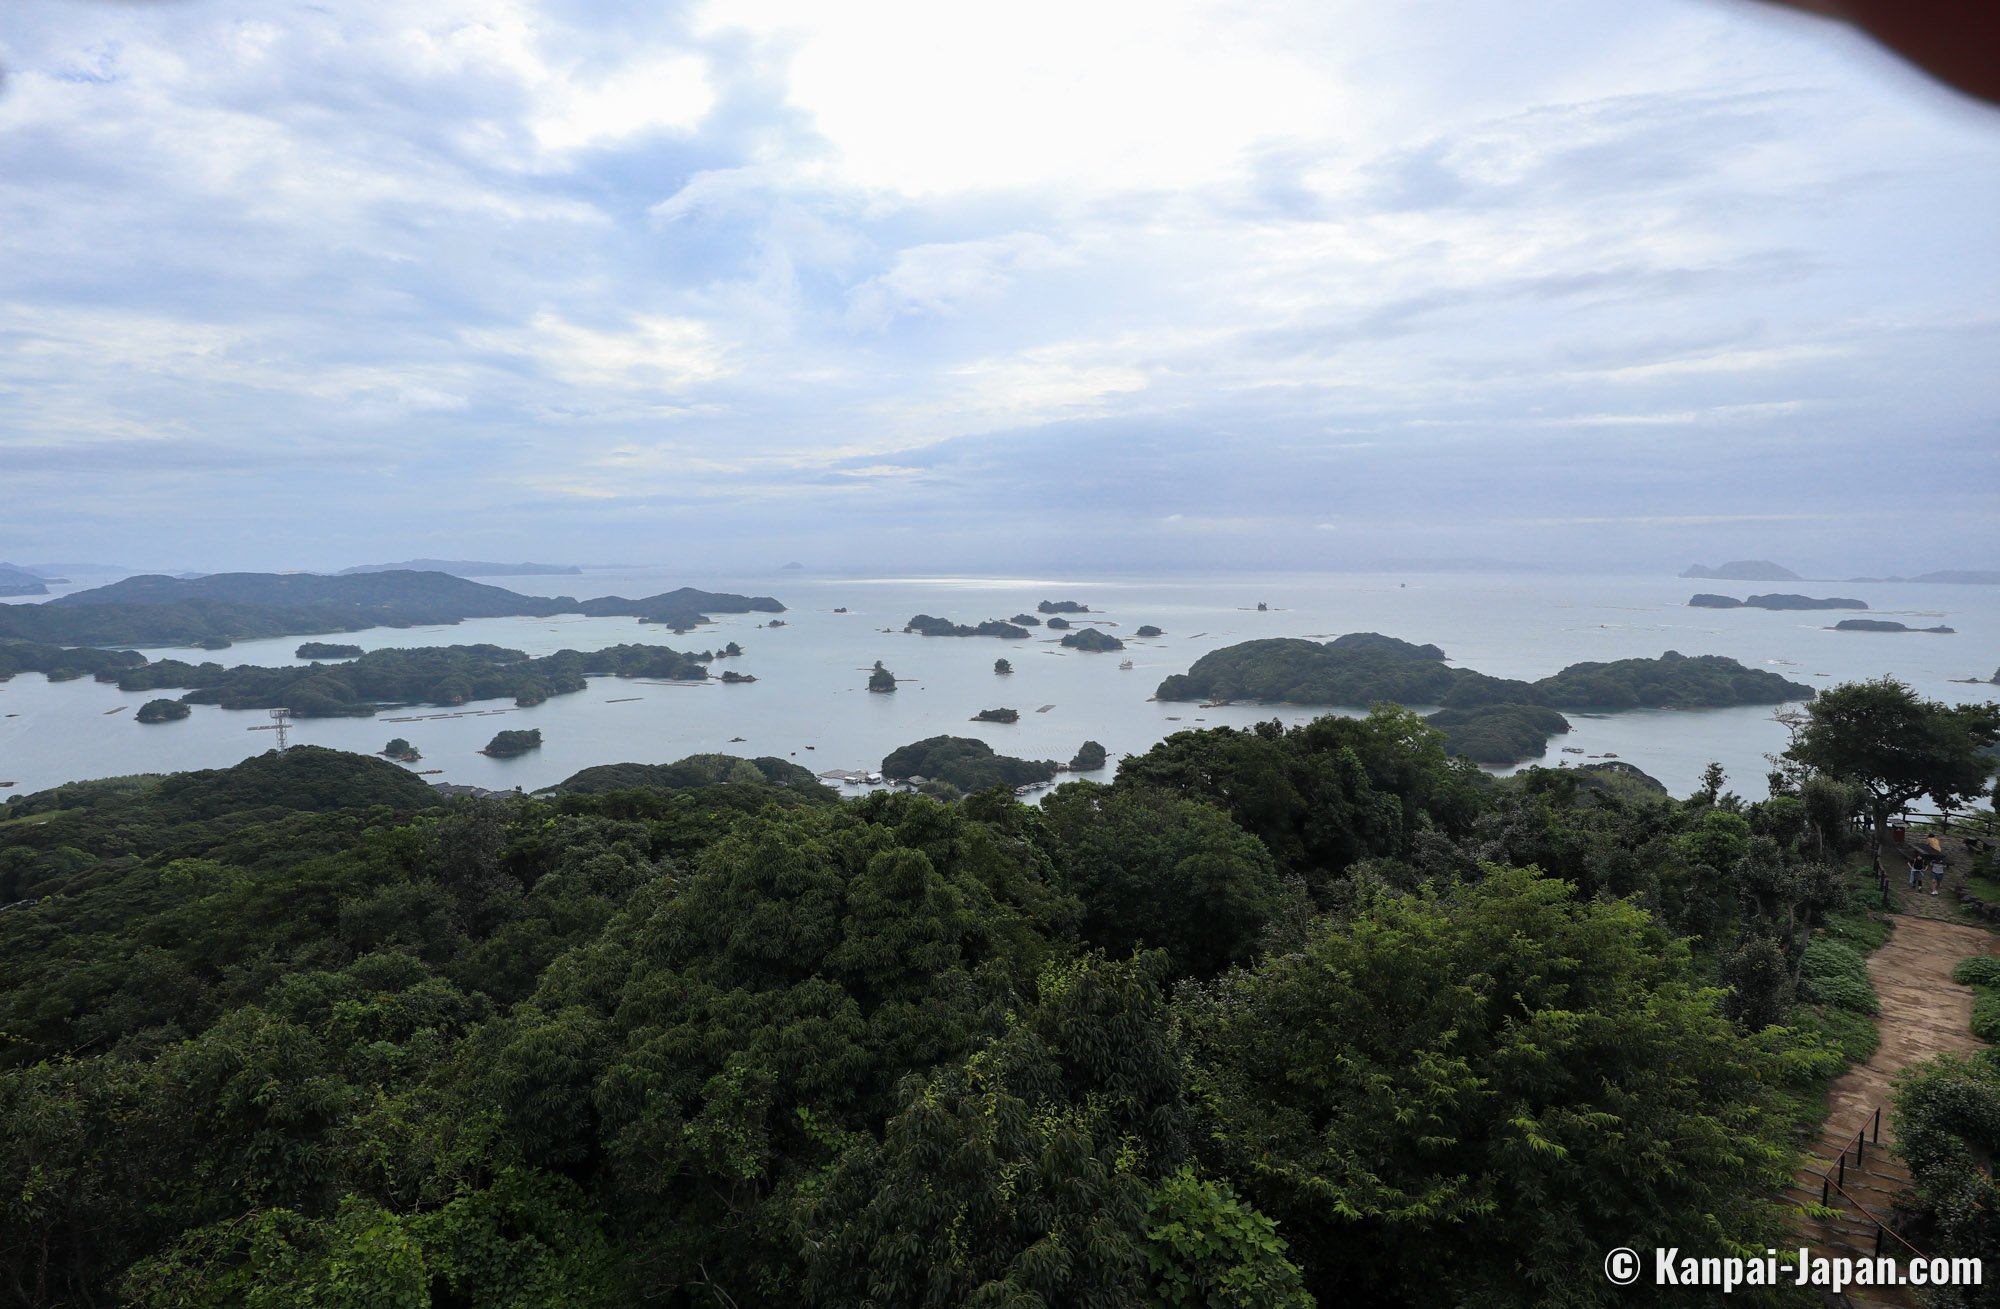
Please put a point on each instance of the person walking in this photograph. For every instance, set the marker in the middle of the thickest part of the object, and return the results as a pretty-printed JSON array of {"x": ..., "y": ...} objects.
[
  {"x": 1937, "y": 872},
  {"x": 1916, "y": 871}
]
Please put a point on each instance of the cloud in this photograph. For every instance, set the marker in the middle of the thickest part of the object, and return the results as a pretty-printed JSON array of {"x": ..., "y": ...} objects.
[
  {"x": 1135, "y": 280},
  {"x": 651, "y": 353},
  {"x": 948, "y": 278}
]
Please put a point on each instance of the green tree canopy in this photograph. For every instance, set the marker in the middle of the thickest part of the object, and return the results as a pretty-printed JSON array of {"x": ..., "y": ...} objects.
[
  {"x": 1466, "y": 1096},
  {"x": 1896, "y": 746}
]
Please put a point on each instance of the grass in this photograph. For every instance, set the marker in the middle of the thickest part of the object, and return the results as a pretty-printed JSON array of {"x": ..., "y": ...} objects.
[{"x": 35, "y": 819}]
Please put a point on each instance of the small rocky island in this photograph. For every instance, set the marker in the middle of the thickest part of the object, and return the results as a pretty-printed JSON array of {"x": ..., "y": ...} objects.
[
  {"x": 1147, "y": 629},
  {"x": 881, "y": 679},
  {"x": 505, "y": 745},
  {"x": 1026, "y": 620},
  {"x": 1883, "y": 625},
  {"x": 1062, "y": 607},
  {"x": 997, "y": 716},
  {"x": 161, "y": 711},
  {"x": 1093, "y": 640},
  {"x": 326, "y": 650},
  {"x": 401, "y": 751},
  {"x": 1778, "y": 601}
]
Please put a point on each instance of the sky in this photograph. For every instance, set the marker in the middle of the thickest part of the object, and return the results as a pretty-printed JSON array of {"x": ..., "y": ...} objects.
[{"x": 975, "y": 287}]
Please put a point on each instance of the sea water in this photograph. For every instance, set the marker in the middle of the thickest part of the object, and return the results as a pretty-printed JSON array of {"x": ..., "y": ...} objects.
[{"x": 810, "y": 704}]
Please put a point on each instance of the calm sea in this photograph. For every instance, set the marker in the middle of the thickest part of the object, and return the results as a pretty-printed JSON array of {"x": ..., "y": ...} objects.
[{"x": 810, "y": 704}]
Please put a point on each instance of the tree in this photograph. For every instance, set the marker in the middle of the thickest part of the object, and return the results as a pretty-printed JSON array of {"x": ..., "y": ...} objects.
[
  {"x": 1019, "y": 1175},
  {"x": 1157, "y": 869},
  {"x": 1880, "y": 736},
  {"x": 1947, "y": 1129},
  {"x": 1463, "y": 1095}
]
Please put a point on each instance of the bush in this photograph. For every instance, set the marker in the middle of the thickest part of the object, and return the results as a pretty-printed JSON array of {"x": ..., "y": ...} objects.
[
  {"x": 1978, "y": 970},
  {"x": 1986, "y": 1015}
]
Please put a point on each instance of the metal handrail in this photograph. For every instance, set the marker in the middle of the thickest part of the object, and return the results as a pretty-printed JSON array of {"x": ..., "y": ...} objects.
[{"x": 1872, "y": 1126}]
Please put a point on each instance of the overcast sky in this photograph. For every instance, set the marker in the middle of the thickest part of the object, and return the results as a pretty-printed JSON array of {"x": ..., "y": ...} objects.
[{"x": 989, "y": 286}]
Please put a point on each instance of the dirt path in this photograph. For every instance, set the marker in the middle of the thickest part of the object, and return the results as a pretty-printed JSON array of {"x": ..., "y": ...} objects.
[{"x": 1924, "y": 1012}]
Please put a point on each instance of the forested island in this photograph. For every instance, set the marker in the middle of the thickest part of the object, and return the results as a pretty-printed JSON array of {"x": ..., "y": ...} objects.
[
  {"x": 997, "y": 716},
  {"x": 1499, "y": 734},
  {"x": 224, "y": 607},
  {"x": 1885, "y": 625},
  {"x": 63, "y": 663},
  {"x": 444, "y": 675},
  {"x": 1062, "y": 607},
  {"x": 1775, "y": 601},
  {"x": 1363, "y": 668},
  {"x": 161, "y": 711},
  {"x": 700, "y": 770},
  {"x": 1092, "y": 640},
  {"x": 1280, "y": 1017},
  {"x": 326, "y": 650},
  {"x": 513, "y": 742},
  {"x": 963, "y": 764},
  {"x": 926, "y": 625}
]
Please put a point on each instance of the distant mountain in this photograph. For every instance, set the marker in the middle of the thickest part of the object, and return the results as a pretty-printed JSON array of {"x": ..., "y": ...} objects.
[
  {"x": 425, "y": 593},
  {"x": 19, "y": 581},
  {"x": 1949, "y": 577},
  {"x": 1745, "y": 570},
  {"x": 466, "y": 568}
]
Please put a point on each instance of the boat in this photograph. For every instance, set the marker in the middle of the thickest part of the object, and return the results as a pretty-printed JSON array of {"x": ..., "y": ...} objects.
[{"x": 1127, "y": 664}]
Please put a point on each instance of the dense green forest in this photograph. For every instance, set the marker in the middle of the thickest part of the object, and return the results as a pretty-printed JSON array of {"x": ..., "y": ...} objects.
[
  {"x": 1281, "y": 1016},
  {"x": 224, "y": 607}
]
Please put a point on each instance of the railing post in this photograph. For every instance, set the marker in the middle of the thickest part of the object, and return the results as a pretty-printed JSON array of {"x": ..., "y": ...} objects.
[
  {"x": 1860, "y": 1149},
  {"x": 1823, "y": 1184},
  {"x": 1842, "y": 1179},
  {"x": 1878, "y": 1122},
  {"x": 1879, "y": 1229}
]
